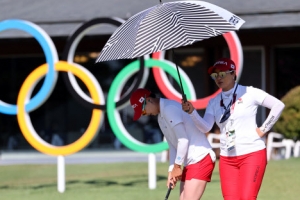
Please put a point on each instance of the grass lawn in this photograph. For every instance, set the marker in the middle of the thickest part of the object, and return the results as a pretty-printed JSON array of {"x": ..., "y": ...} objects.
[{"x": 129, "y": 181}]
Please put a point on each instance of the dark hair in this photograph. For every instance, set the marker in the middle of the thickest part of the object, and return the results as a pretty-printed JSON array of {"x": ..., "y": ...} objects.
[
  {"x": 234, "y": 76},
  {"x": 152, "y": 95}
]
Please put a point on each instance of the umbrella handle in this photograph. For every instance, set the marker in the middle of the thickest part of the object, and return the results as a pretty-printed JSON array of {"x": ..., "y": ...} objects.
[
  {"x": 184, "y": 100},
  {"x": 169, "y": 191}
]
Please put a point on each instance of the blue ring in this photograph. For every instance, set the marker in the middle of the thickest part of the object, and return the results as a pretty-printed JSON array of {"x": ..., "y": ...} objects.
[{"x": 51, "y": 57}]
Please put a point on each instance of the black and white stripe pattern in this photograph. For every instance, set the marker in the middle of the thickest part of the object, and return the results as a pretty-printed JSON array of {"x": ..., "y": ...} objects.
[{"x": 168, "y": 25}]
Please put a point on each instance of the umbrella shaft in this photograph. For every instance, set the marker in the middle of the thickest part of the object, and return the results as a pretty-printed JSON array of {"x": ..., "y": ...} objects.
[{"x": 182, "y": 91}]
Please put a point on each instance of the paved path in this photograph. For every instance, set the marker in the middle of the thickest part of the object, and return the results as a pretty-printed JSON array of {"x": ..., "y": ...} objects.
[{"x": 83, "y": 157}]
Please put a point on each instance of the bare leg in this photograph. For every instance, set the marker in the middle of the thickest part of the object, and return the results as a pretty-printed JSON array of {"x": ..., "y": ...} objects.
[{"x": 192, "y": 189}]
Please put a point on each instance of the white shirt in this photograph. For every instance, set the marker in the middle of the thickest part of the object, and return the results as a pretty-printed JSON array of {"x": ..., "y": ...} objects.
[
  {"x": 242, "y": 118},
  {"x": 178, "y": 127}
]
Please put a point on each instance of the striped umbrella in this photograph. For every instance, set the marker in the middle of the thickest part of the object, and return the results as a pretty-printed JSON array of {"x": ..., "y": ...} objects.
[{"x": 167, "y": 26}]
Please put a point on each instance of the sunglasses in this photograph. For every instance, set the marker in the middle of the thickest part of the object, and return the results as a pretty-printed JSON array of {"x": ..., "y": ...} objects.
[
  {"x": 220, "y": 74},
  {"x": 143, "y": 107}
]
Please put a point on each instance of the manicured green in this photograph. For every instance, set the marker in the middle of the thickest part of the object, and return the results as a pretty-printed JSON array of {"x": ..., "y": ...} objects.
[{"x": 129, "y": 181}]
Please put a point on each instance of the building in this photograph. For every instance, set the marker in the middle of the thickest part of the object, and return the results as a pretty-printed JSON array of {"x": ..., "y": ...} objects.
[{"x": 270, "y": 40}]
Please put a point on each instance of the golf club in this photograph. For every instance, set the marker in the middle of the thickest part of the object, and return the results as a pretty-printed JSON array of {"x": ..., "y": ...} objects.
[{"x": 168, "y": 192}]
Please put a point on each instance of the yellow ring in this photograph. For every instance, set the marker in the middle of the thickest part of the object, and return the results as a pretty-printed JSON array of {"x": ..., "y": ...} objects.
[{"x": 25, "y": 123}]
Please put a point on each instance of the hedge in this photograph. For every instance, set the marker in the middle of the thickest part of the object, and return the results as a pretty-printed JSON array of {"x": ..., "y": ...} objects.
[{"x": 289, "y": 122}]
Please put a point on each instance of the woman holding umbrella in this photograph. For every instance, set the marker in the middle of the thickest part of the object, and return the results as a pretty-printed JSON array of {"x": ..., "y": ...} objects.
[
  {"x": 187, "y": 145},
  {"x": 243, "y": 151}
]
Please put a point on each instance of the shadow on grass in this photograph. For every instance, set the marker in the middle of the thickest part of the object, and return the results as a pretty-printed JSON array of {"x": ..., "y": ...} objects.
[
  {"x": 126, "y": 184},
  {"x": 95, "y": 182},
  {"x": 99, "y": 182},
  {"x": 35, "y": 187}
]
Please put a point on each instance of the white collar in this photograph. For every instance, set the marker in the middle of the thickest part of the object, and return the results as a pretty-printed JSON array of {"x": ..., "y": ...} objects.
[{"x": 229, "y": 93}]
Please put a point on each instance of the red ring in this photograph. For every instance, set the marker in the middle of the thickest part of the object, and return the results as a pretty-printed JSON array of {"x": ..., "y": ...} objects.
[{"x": 233, "y": 43}]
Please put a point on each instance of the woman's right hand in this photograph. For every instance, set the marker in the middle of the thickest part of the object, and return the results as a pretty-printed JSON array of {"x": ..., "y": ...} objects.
[
  {"x": 187, "y": 107},
  {"x": 171, "y": 181},
  {"x": 259, "y": 132}
]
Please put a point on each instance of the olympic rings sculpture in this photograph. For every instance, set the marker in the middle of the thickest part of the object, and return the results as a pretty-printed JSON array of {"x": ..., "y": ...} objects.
[{"x": 96, "y": 101}]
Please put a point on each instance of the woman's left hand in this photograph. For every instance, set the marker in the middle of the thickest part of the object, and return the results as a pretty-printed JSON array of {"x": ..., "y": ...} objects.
[
  {"x": 187, "y": 107},
  {"x": 176, "y": 173},
  {"x": 259, "y": 132}
]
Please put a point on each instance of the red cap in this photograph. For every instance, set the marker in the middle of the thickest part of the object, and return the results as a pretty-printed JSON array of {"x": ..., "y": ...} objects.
[
  {"x": 223, "y": 64},
  {"x": 136, "y": 100}
]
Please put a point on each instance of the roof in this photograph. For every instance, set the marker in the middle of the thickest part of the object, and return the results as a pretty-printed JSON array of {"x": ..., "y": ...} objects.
[{"x": 62, "y": 17}]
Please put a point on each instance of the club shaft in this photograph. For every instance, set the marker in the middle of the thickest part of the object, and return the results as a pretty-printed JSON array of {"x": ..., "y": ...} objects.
[{"x": 168, "y": 192}]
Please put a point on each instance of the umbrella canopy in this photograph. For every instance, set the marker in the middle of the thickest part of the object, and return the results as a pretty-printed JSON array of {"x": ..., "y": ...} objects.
[{"x": 166, "y": 26}]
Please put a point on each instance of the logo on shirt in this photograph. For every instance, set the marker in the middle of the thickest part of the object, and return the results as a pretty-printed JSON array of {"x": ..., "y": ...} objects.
[{"x": 240, "y": 100}]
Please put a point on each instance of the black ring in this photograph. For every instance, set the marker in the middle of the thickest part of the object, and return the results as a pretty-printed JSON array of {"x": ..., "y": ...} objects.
[{"x": 70, "y": 41}]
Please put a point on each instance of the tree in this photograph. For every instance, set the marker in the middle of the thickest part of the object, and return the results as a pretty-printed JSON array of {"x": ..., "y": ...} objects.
[{"x": 288, "y": 123}]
